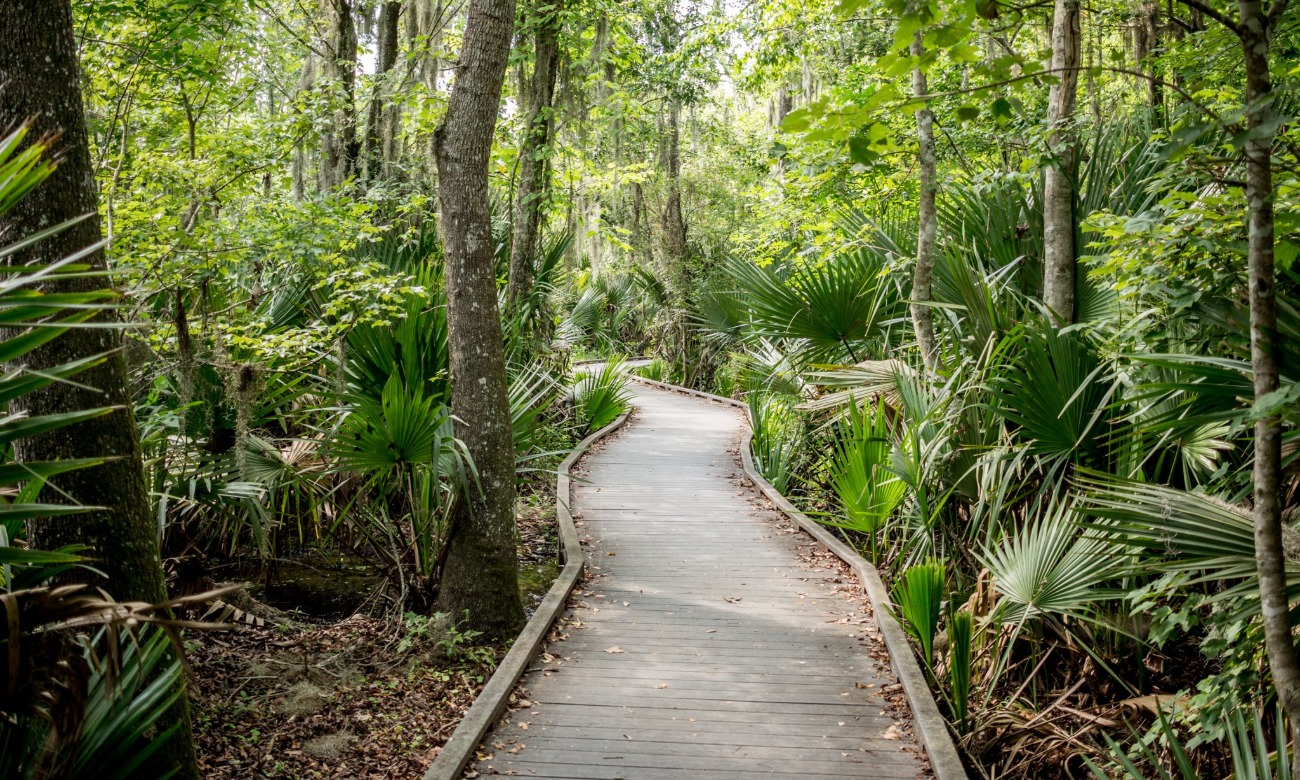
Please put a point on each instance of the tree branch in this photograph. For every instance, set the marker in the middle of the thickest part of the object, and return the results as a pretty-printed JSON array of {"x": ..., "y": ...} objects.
[{"x": 1216, "y": 15}]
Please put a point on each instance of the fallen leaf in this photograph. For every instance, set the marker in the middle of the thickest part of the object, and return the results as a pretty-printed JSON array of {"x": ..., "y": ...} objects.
[
  {"x": 662, "y": 685},
  {"x": 614, "y": 649},
  {"x": 893, "y": 732}
]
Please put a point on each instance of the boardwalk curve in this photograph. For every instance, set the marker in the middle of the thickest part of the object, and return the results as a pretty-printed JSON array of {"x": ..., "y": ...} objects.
[{"x": 705, "y": 643}]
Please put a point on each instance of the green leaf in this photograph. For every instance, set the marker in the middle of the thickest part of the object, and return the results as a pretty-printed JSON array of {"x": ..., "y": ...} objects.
[
  {"x": 797, "y": 121},
  {"x": 1284, "y": 254},
  {"x": 1000, "y": 110},
  {"x": 860, "y": 150}
]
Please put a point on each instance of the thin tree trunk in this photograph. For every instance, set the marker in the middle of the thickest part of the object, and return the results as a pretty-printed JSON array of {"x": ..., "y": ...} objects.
[
  {"x": 1058, "y": 186},
  {"x": 298, "y": 163},
  {"x": 927, "y": 219},
  {"x": 42, "y": 83},
  {"x": 534, "y": 152},
  {"x": 339, "y": 146},
  {"x": 674, "y": 223},
  {"x": 1151, "y": 34},
  {"x": 378, "y": 122},
  {"x": 1269, "y": 558},
  {"x": 480, "y": 577}
]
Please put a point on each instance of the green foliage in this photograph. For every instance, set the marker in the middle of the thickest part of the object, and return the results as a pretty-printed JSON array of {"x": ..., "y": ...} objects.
[
  {"x": 126, "y": 695},
  {"x": 71, "y": 705},
  {"x": 1194, "y": 534},
  {"x": 1050, "y": 569},
  {"x": 918, "y": 595},
  {"x": 777, "y": 444},
  {"x": 869, "y": 493},
  {"x": 1248, "y": 741},
  {"x": 656, "y": 369},
  {"x": 961, "y": 629},
  {"x": 830, "y": 309},
  {"x": 599, "y": 398},
  {"x": 1056, "y": 391}
]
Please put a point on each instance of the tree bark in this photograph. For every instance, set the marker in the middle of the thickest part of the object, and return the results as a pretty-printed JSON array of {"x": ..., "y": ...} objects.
[
  {"x": 1269, "y": 557},
  {"x": 534, "y": 152},
  {"x": 674, "y": 223},
  {"x": 339, "y": 146},
  {"x": 379, "y": 122},
  {"x": 480, "y": 576},
  {"x": 298, "y": 162},
  {"x": 1059, "y": 259},
  {"x": 41, "y": 82},
  {"x": 927, "y": 218},
  {"x": 1151, "y": 34}
]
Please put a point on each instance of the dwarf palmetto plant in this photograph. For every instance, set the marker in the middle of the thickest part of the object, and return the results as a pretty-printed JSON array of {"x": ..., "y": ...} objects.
[
  {"x": 405, "y": 450},
  {"x": 1051, "y": 574},
  {"x": 776, "y": 444},
  {"x": 655, "y": 370},
  {"x": 1056, "y": 391},
  {"x": 867, "y": 490},
  {"x": 600, "y": 397},
  {"x": 608, "y": 316},
  {"x": 961, "y": 630},
  {"x": 918, "y": 595},
  {"x": 826, "y": 312},
  {"x": 1050, "y": 568}
]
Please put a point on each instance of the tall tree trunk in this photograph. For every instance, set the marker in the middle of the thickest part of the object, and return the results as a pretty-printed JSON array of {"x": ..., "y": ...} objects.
[
  {"x": 535, "y": 152},
  {"x": 1151, "y": 34},
  {"x": 674, "y": 223},
  {"x": 1059, "y": 259},
  {"x": 927, "y": 219},
  {"x": 1269, "y": 559},
  {"x": 340, "y": 145},
  {"x": 378, "y": 122},
  {"x": 480, "y": 576},
  {"x": 298, "y": 163},
  {"x": 42, "y": 83}
]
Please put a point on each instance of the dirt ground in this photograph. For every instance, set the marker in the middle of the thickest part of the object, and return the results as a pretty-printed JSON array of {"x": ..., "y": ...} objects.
[{"x": 364, "y": 697}]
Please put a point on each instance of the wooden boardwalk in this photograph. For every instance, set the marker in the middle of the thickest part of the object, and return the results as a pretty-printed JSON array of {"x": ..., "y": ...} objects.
[{"x": 707, "y": 643}]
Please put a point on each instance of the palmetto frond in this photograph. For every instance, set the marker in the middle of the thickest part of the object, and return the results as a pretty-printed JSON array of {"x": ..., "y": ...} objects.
[
  {"x": 830, "y": 309},
  {"x": 1050, "y": 568},
  {"x": 1190, "y": 533}
]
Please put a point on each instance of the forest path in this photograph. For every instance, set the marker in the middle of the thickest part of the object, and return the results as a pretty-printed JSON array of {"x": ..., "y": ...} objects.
[{"x": 709, "y": 641}]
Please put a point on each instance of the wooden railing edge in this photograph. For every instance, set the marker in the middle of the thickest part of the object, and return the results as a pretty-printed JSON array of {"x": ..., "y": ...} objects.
[
  {"x": 931, "y": 727},
  {"x": 491, "y": 702}
]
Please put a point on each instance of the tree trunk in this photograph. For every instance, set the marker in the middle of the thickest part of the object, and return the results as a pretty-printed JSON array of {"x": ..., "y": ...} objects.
[
  {"x": 927, "y": 219},
  {"x": 535, "y": 152},
  {"x": 298, "y": 163},
  {"x": 339, "y": 145},
  {"x": 379, "y": 123},
  {"x": 1269, "y": 558},
  {"x": 1058, "y": 186},
  {"x": 1151, "y": 34},
  {"x": 674, "y": 224},
  {"x": 480, "y": 576},
  {"x": 40, "y": 74}
]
